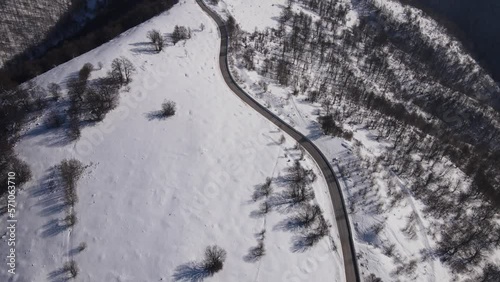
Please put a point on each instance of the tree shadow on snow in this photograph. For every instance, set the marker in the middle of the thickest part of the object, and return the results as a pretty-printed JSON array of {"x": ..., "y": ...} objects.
[
  {"x": 291, "y": 224},
  {"x": 50, "y": 193},
  {"x": 283, "y": 202},
  {"x": 302, "y": 242},
  {"x": 59, "y": 275},
  {"x": 52, "y": 137},
  {"x": 143, "y": 48},
  {"x": 53, "y": 228},
  {"x": 315, "y": 131},
  {"x": 190, "y": 272},
  {"x": 158, "y": 115},
  {"x": 254, "y": 255}
]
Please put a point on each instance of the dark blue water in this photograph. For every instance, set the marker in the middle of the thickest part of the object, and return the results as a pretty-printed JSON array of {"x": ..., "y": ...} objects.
[{"x": 479, "y": 20}]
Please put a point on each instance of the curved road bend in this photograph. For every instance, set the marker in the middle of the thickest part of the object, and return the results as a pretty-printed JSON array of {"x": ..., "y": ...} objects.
[{"x": 349, "y": 255}]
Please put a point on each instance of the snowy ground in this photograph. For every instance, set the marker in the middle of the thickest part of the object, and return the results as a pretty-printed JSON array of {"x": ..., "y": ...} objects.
[
  {"x": 157, "y": 192},
  {"x": 356, "y": 176}
]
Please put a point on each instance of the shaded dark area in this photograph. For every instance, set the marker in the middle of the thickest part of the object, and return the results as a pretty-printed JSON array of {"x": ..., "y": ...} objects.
[
  {"x": 190, "y": 272},
  {"x": 475, "y": 23},
  {"x": 116, "y": 18},
  {"x": 59, "y": 275}
]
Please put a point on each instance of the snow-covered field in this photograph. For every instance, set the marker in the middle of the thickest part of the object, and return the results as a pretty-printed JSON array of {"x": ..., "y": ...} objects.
[{"x": 157, "y": 192}]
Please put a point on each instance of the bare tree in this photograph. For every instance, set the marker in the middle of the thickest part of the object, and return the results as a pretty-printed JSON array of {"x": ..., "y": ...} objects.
[
  {"x": 156, "y": 39},
  {"x": 122, "y": 70},
  {"x": 101, "y": 98},
  {"x": 214, "y": 259}
]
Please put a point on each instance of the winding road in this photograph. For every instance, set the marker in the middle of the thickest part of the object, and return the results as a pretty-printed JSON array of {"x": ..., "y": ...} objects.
[{"x": 342, "y": 220}]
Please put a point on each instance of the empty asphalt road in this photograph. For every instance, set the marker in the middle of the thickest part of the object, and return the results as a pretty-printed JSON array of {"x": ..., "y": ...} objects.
[{"x": 349, "y": 255}]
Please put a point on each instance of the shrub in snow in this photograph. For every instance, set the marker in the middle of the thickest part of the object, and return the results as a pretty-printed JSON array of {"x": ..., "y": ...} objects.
[
  {"x": 71, "y": 268},
  {"x": 373, "y": 278},
  {"x": 82, "y": 246},
  {"x": 168, "y": 108},
  {"x": 258, "y": 251},
  {"x": 214, "y": 259},
  {"x": 282, "y": 139},
  {"x": 70, "y": 220},
  {"x": 388, "y": 250}
]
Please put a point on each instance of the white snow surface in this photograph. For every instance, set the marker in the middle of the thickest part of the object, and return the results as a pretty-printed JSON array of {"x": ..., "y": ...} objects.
[
  {"x": 157, "y": 192},
  {"x": 251, "y": 15}
]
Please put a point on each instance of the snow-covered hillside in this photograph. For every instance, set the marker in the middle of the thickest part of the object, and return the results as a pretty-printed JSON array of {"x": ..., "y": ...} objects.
[
  {"x": 396, "y": 234},
  {"x": 156, "y": 192}
]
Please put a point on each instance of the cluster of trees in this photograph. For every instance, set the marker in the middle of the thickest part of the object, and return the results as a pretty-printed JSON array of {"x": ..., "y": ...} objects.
[
  {"x": 262, "y": 191},
  {"x": 159, "y": 41},
  {"x": 92, "y": 100},
  {"x": 15, "y": 107},
  {"x": 304, "y": 55},
  {"x": 299, "y": 183},
  {"x": 180, "y": 33},
  {"x": 308, "y": 219},
  {"x": 88, "y": 101},
  {"x": 70, "y": 171}
]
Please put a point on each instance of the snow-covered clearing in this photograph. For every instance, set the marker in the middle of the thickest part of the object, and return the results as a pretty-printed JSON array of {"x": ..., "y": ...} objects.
[{"x": 157, "y": 192}]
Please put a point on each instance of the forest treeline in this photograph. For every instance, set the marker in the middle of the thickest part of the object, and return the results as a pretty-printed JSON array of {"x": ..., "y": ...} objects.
[
  {"x": 386, "y": 75},
  {"x": 26, "y": 24},
  {"x": 117, "y": 17}
]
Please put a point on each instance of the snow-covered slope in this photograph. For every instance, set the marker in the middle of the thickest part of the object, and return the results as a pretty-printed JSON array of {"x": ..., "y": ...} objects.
[
  {"x": 395, "y": 235},
  {"x": 157, "y": 192}
]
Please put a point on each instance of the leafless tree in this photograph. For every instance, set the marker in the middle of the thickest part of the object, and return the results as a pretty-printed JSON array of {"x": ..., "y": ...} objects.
[{"x": 156, "y": 39}]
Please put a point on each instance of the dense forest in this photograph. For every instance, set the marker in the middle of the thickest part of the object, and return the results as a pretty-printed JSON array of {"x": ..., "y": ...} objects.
[
  {"x": 72, "y": 38},
  {"x": 51, "y": 19}
]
